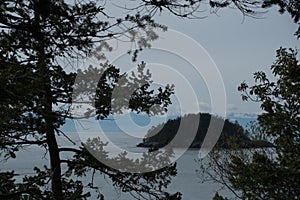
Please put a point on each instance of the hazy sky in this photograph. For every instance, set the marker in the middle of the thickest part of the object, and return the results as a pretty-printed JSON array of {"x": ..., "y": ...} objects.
[
  {"x": 233, "y": 45},
  {"x": 206, "y": 59},
  {"x": 238, "y": 46}
]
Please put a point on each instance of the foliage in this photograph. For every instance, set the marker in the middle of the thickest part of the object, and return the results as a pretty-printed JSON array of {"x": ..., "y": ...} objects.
[
  {"x": 290, "y": 6},
  {"x": 40, "y": 43},
  {"x": 268, "y": 173},
  {"x": 37, "y": 38},
  {"x": 218, "y": 197},
  {"x": 140, "y": 185},
  {"x": 232, "y": 136}
]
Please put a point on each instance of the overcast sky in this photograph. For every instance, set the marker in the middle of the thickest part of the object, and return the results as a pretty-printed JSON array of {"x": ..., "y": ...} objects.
[
  {"x": 230, "y": 49},
  {"x": 207, "y": 59},
  {"x": 239, "y": 46}
]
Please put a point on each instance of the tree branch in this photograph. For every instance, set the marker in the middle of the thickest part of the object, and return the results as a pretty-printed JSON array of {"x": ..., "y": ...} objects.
[
  {"x": 68, "y": 138},
  {"x": 19, "y": 193}
]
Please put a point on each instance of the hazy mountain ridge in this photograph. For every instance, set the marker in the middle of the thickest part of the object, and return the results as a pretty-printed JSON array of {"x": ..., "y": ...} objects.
[{"x": 142, "y": 120}]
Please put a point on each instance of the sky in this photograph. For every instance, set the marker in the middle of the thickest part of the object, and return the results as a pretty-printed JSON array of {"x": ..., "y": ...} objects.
[
  {"x": 239, "y": 46},
  {"x": 206, "y": 59},
  {"x": 229, "y": 43}
]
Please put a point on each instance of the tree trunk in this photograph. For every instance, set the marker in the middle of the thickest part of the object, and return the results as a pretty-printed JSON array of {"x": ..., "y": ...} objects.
[
  {"x": 56, "y": 184},
  {"x": 49, "y": 116},
  {"x": 46, "y": 100}
]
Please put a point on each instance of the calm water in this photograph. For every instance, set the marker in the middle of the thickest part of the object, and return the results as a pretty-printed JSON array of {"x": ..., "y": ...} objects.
[{"x": 186, "y": 182}]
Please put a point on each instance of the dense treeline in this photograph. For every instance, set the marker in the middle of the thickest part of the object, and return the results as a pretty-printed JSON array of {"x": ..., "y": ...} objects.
[{"x": 232, "y": 135}]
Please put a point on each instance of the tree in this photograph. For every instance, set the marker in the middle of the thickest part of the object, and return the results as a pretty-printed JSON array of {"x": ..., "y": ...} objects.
[
  {"x": 232, "y": 134},
  {"x": 291, "y": 6},
  {"x": 268, "y": 173},
  {"x": 36, "y": 92},
  {"x": 37, "y": 37}
]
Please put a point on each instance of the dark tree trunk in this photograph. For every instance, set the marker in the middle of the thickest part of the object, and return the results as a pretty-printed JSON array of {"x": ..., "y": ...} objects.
[
  {"x": 49, "y": 116},
  {"x": 46, "y": 99},
  {"x": 55, "y": 165}
]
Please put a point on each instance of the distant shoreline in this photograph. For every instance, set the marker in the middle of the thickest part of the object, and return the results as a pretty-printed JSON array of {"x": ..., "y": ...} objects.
[{"x": 233, "y": 135}]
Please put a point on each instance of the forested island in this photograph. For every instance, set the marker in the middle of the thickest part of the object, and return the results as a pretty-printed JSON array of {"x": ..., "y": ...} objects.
[{"x": 233, "y": 135}]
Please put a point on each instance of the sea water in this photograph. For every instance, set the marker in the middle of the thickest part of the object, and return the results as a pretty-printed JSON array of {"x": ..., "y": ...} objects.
[{"x": 187, "y": 180}]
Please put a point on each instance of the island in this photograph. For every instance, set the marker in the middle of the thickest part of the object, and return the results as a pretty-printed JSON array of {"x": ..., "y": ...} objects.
[{"x": 192, "y": 129}]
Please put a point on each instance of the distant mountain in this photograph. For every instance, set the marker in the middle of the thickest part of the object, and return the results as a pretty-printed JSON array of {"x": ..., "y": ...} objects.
[
  {"x": 232, "y": 135},
  {"x": 116, "y": 123}
]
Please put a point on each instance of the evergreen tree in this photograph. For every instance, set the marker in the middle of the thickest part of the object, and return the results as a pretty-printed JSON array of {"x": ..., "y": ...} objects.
[
  {"x": 36, "y": 37},
  {"x": 36, "y": 93},
  {"x": 267, "y": 173}
]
